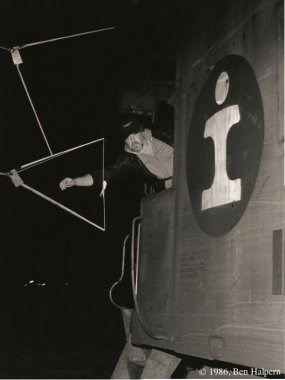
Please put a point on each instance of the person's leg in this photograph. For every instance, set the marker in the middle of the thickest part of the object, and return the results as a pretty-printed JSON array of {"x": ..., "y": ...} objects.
[
  {"x": 132, "y": 359},
  {"x": 160, "y": 365}
]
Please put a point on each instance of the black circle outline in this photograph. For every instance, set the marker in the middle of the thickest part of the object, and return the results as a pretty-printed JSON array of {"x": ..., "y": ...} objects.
[{"x": 244, "y": 144}]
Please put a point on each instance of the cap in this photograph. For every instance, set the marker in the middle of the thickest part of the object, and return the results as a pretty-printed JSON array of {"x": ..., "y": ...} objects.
[{"x": 130, "y": 126}]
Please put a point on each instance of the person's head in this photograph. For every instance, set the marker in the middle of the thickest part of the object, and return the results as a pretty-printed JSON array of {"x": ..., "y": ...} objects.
[{"x": 131, "y": 132}]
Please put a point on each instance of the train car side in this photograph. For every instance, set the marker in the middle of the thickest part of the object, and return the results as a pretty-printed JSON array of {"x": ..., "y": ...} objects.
[{"x": 211, "y": 266}]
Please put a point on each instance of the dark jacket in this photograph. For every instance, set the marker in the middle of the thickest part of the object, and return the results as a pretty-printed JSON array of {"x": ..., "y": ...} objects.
[{"x": 128, "y": 164}]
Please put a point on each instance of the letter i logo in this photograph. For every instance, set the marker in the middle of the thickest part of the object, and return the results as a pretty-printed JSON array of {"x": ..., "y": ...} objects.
[
  {"x": 225, "y": 144},
  {"x": 223, "y": 189}
]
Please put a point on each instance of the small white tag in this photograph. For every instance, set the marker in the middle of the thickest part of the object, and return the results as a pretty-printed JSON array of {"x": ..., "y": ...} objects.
[
  {"x": 17, "y": 59},
  {"x": 15, "y": 178}
]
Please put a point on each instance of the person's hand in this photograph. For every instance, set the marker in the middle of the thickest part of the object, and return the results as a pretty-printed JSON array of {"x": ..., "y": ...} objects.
[{"x": 66, "y": 183}]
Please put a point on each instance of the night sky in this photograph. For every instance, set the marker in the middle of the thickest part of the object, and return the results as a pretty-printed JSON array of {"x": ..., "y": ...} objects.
[{"x": 56, "y": 320}]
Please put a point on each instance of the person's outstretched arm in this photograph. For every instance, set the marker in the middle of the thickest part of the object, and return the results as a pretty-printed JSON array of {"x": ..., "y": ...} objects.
[
  {"x": 84, "y": 181},
  {"x": 125, "y": 166}
]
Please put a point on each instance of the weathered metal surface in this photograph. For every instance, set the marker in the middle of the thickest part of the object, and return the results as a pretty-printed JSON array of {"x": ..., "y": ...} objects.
[
  {"x": 155, "y": 271},
  {"x": 223, "y": 296}
]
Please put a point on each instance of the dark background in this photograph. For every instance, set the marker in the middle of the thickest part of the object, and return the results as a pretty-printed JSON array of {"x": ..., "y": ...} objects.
[{"x": 56, "y": 320}]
